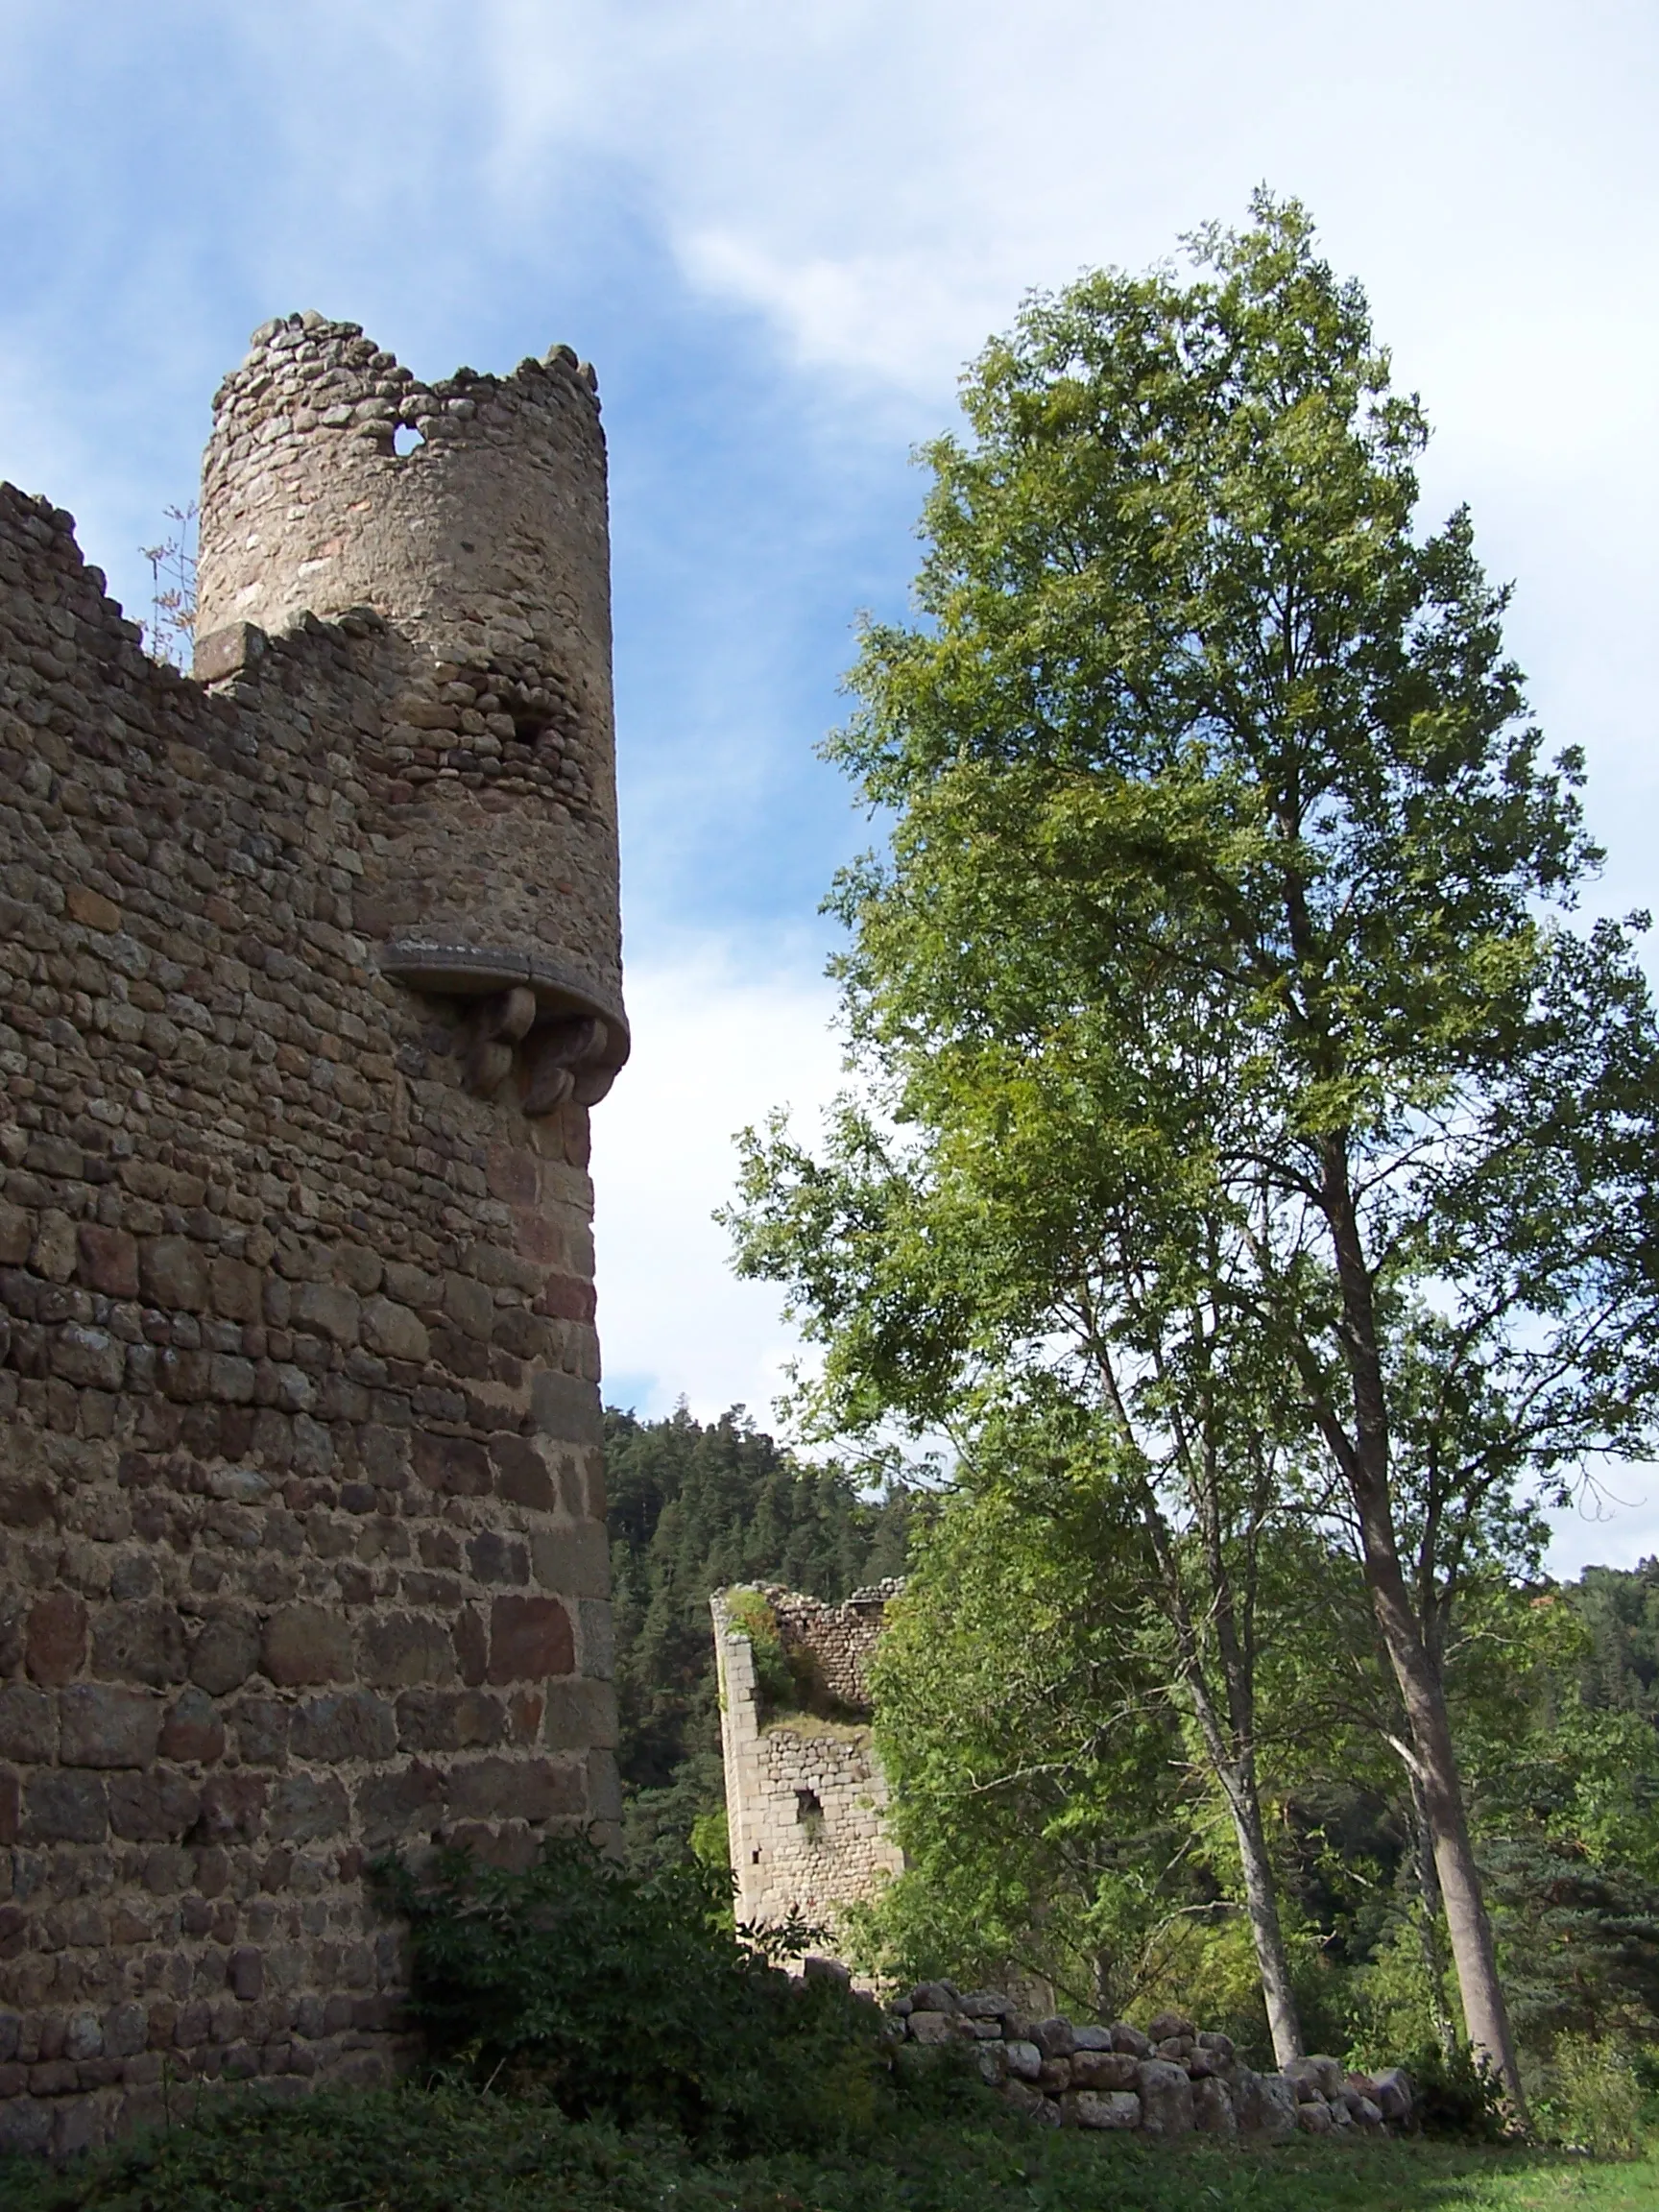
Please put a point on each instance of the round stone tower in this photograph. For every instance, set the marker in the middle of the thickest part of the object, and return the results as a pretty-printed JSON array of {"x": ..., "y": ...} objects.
[{"x": 469, "y": 517}]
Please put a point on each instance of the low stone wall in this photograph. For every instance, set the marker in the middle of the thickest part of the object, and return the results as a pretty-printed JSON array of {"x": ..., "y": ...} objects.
[{"x": 1169, "y": 2080}]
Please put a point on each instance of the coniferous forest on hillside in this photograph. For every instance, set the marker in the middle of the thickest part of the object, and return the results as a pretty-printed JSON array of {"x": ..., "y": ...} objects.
[{"x": 692, "y": 1509}]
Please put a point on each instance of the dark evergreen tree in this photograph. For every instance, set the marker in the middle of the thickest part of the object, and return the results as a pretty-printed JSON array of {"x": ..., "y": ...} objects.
[
  {"x": 1620, "y": 1611},
  {"x": 694, "y": 1507}
]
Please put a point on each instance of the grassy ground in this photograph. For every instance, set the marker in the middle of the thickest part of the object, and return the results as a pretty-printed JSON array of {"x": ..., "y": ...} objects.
[{"x": 413, "y": 2150}]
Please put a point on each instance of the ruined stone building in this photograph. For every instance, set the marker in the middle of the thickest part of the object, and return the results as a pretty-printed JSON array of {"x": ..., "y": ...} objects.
[
  {"x": 805, "y": 1791},
  {"x": 311, "y": 975}
]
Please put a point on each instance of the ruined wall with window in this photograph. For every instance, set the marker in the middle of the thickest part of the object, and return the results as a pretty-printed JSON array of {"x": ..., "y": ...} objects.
[
  {"x": 310, "y": 976},
  {"x": 805, "y": 1791}
]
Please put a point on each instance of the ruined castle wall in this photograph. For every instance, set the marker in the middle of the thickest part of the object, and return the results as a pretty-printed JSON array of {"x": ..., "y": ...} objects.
[
  {"x": 301, "y": 1539},
  {"x": 805, "y": 1797},
  {"x": 485, "y": 549}
]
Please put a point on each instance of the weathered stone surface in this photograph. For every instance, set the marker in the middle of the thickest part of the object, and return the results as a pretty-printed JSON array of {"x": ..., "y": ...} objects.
[
  {"x": 409, "y": 1801},
  {"x": 927, "y": 2027},
  {"x": 984, "y": 2004},
  {"x": 344, "y": 1724},
  {"x": 193, "y": 1730},
  {"x": 1054, "y": 2038},
  {"x": 459, "y": 1721},
  {"x": 1103, "y": 2070},
  {"x": 1111, "y": 2108},
  {"x": 225, "y": 1653},
  {"x": 296, "y": 1354},
  {"x": 530, "y": 1637},
  {"x": 1166, "y": 2097},
  {"x": 28, "y": 1725},
  {"x": 306, "y": 1644},
  {"x": 1394, "y": 2093},
  {"x": 1213, "y": 2112},
  {"x": 392, "y": 1330},
  {"x": 331, "y": 1311},
  {"x": 59, "y": 1806},
  {"x": 56, "y": 1647},
  {"x": 1264, "y": 2104},
  {"x": 174, "y": 1273},
  {"x": 108, "y": 1260},
  {"x": 498, "y": 1788},
  {"x": 1024, "y": 2059},
  {"x": 140, "y": 1644},
  {"x": 103, "y": 1726},
  {"x": 1126, "y": 2036},
  {"x": 404, "y": 1648},
  {"x": 157, "y": 1806},
  {"x": 305, "y": 1808}
]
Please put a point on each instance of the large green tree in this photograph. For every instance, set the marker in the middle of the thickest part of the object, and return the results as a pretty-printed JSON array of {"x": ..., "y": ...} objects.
[{"x": 1227, "y": 891}]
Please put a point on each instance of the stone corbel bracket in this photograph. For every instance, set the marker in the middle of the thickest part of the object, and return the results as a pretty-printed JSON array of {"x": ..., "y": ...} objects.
[{"x": 524, "y": 1010}]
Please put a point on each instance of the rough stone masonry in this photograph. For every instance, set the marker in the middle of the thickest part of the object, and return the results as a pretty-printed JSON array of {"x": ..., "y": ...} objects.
[
  {"x": 309, "y": 974},
  {"x": 804, "y": 1792}
]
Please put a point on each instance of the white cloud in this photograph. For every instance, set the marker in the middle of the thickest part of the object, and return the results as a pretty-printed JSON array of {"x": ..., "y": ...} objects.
[{"x": 718, "y": 1042}]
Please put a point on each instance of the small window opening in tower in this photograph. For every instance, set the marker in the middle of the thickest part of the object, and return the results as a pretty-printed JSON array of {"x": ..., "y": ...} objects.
[
  {"x": 807, "y": 1805},
  {"x": 754, "y": 1858},
  {"x": 405, "y": 437}
]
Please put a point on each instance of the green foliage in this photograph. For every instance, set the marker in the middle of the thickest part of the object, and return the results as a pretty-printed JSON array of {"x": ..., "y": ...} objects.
[
  {"x": 1594, "y": 2100},
  {"x": 1456, "y": 2095},
  {"x": 779, "y": 1681},
  {"x": 1233, "y": 1079},
  {"x": 449, "y": 2149},
  {"x": 693, "y": 1508},
  {"x": 631, "y": 1998},
  {"x": 1619, "y": 1669},
  {"x": 1030, "y": 1748}
]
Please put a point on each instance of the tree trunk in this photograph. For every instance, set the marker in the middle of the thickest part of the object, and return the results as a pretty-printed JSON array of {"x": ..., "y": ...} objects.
[
  {"x": 1363, "y": 1458},
  {"x": 1262, "y": 1904},
  {"x": 1233, "y": 1762},
  {"x": 1485, "y": 2014},
  {"x": 1428, "y": 1894}
]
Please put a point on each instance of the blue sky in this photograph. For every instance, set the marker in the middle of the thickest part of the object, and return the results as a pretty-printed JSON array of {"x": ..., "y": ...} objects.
[{"x": 778, "y": 230}]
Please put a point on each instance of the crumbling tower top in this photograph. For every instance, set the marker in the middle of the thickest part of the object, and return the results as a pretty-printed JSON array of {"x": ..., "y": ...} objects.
[{"x": 470, "y": 515}]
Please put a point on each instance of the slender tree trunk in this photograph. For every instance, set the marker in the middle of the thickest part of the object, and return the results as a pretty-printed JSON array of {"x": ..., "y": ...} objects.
[
  {"x": 1261, "y": 1905},
  {"x": 1364, "y": 1462},
  {"x": 1429, "y": 1896},
  {"x": 1486, "y": 2013},
  {"x": 1235, "y": 1769}
]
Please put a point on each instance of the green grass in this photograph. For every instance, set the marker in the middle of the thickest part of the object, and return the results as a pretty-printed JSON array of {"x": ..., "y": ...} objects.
[{"x": 454, "y": 2150}]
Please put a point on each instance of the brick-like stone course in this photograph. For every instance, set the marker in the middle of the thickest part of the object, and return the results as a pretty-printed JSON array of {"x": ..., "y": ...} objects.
[{"x": 301, "y": 1544}]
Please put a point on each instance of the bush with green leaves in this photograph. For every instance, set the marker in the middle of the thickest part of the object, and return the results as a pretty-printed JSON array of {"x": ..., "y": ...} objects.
[
  {"x": 1595, "y": 2099},
  {"x": 1456, "y": 2095},
  {"x": 632, "y": 1998}
]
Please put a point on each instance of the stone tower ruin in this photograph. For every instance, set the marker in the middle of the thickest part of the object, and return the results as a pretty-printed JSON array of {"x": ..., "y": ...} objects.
[
  {"x": 311, "y": 975},
  {"x": 805, "y": 1797}
]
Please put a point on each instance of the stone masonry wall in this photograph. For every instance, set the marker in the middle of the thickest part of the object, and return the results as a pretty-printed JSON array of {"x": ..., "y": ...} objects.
[
  {"x": 1163, "y": 2081},
  {"x": 804, "y": 1792},
  {"x": 301, "y": 1538},
  {"x": 485, "y": 549}
]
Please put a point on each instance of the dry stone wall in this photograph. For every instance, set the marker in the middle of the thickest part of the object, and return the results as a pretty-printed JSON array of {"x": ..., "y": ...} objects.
[
  {"x": 301, "y": 1514},
  {"x": 805, "y": 1791},
  {"x": 1166, "y": 2080}
]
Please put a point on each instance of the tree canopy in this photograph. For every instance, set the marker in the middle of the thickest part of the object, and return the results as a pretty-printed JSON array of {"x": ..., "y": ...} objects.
[{"x": 1227, "y": 1042}]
